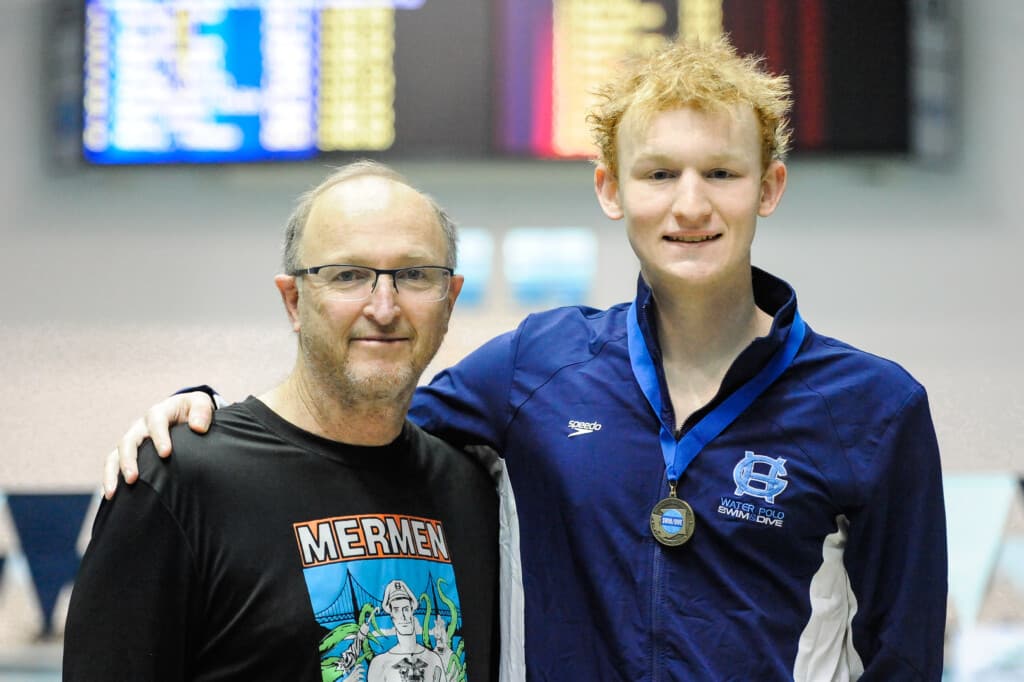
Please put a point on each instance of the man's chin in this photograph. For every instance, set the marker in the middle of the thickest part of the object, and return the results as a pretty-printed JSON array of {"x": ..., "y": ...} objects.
[{"x": 380, "y": 385}]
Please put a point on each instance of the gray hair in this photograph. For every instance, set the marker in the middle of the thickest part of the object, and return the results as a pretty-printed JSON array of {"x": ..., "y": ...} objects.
[{"x": 357, "y": 169}]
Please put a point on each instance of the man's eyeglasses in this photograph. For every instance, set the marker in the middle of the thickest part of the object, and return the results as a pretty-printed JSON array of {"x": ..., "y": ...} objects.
[{"x": 356, "y": 282}]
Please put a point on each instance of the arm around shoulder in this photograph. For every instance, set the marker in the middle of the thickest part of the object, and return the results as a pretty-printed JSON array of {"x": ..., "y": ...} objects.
[
  {"x": 468, "y": 404},
  {"x": 194, "y": 405}
]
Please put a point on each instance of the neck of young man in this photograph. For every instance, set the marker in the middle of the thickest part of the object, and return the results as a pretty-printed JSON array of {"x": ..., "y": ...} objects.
[
  {"x": 702, "y": 329},
  {"x": 312, "y": 406}
]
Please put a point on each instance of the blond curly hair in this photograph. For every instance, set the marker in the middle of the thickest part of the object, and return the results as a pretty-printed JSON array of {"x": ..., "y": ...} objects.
[{"x": 709, "y": 76}]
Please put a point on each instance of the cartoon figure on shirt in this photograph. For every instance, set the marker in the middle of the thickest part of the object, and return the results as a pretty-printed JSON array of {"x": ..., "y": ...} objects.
[{"x": 408, "y": 660}]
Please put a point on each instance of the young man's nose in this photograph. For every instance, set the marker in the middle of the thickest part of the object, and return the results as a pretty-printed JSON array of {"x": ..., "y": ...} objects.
[{"x": 690, "y": 202}]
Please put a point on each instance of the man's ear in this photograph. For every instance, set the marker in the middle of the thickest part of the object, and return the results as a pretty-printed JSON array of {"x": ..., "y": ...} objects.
[
  {"x": 606, "y": 186},
  {"x": 773, "y": 186},
  {"x": 288, "y": 285},
  {"x": 454, "y": 288}
]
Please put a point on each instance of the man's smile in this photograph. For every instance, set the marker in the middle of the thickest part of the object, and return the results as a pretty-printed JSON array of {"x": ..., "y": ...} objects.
[{"x": 692, "y": 239}]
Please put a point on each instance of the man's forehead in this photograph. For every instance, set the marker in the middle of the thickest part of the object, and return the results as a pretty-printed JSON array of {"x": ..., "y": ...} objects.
[
  {"x": 638, "y": 122},
  {"x": 367, "y": 193},
  {"x": 734, "y": 128},
  {"x": 371, "y": 202},
  {"x": 372, "y": 221}
]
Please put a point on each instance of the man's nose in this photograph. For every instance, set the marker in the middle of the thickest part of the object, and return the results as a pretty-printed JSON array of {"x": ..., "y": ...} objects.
[
  {"x": 382, "y": 305},
  {"x": 691, "y": 203}
]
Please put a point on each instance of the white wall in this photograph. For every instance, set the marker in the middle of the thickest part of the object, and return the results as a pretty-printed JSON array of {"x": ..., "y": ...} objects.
[{"x": 105, "y": 272}]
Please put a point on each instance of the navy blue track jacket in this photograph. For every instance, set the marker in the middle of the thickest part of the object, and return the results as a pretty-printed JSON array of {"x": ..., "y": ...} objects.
[{"x": 819, "y": 547}]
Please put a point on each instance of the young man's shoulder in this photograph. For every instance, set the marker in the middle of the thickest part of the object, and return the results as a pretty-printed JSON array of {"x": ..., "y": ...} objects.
[
  {"x": 855, "y": 380},
  {"x": 564, "y": 334},
  {"x": 585, "y": 317},
  {"x": 865, "y": 361}
]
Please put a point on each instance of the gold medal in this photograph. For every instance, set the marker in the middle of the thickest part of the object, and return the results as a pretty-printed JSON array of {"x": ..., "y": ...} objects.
[{"x": 672, "y": 519}]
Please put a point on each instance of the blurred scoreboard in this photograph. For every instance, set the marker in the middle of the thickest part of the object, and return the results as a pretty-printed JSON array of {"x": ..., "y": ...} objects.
[
  {"x": 871, "y": 76},
  {"x": 182, "y": 81},
  {"x": 553, "y": 54},
  {"x": 246, "y": 80}
]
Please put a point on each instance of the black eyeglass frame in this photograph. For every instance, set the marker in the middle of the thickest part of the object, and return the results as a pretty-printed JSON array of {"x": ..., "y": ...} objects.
[{"x": 377, "y": 272}]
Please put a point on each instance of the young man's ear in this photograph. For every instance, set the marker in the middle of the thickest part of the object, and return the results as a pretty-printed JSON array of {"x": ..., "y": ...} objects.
[
  {"x": 606, "y": 186},
  {"x": 288, "y": 285},
  {"x": 773, "y": 186}
]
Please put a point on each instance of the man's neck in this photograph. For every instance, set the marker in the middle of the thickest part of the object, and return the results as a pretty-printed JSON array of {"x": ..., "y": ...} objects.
[
  {"x": 304, "y": 403},
  {"x": 701, "y": 333}
]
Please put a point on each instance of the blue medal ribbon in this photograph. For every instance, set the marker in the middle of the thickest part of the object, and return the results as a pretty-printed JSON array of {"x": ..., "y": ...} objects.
[{"x": 679, "y": 454}]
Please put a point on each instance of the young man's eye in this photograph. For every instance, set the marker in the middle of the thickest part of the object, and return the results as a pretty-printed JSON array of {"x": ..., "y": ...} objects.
[
  {"x": 661, "y": 175},
  {"x": 720, "y": 174}
]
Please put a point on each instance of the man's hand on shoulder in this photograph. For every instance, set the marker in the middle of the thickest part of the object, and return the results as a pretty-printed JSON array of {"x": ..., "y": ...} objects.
[{"x": 196, "y": 408}]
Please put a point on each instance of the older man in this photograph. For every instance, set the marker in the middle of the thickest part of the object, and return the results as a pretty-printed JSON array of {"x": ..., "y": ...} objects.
[{"x": 261, "y": 550}]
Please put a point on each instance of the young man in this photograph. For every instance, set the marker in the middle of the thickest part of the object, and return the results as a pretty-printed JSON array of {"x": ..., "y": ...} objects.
[
  {"x": 706, "y": 489},
  {"x": 272, "y": 547}
]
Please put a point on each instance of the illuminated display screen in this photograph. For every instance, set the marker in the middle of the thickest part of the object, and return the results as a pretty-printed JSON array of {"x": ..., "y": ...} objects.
[
  {"x": 549, "y": 266},
  {"x": 476, "y": 254},
  {"x": 181, "y": 81},
  {"x": 170, "y": 81},
  {"x": 848, "y": 63},
  {"x": 184, "y": 81},
  {"x": 554, "y": 53}
]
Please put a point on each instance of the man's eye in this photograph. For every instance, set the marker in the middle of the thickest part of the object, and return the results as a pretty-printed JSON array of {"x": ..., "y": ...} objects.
[
  {"x": 661, "y": 175},
  {"x": 720, "y": 174},
  {"x": 413, "y": 274},
  {"x": 350, "y": 276}
]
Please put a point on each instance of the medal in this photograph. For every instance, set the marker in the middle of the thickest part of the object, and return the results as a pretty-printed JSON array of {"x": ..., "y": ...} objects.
[{"x": 672, "y": 519}]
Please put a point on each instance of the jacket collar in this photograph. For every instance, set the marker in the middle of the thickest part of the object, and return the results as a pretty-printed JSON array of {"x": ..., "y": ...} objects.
[{"x": 771, "y": 294}]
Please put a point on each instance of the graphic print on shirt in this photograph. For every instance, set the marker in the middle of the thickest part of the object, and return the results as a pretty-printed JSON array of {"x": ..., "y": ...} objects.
[
  {"x": 757, "y": 476},
  {"x": 382, "y": 587}
]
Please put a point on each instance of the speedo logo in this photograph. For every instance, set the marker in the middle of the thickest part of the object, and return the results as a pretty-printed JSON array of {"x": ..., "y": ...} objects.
[{"x": 582, "y": 428}]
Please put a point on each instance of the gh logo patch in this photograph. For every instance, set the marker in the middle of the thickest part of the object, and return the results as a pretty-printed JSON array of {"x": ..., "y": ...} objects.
[{"x": 760, "y": 476}]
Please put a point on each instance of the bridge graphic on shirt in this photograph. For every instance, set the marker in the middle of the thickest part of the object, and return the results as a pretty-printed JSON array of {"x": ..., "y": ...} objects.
[{"x": 352, "y": 597}]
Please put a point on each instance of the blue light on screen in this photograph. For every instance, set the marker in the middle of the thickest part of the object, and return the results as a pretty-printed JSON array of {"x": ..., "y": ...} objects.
[
  {"x": 180, "y": 81},
  {"x": 476, "y": 254},
  {"x": 549, "y": 266}
]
